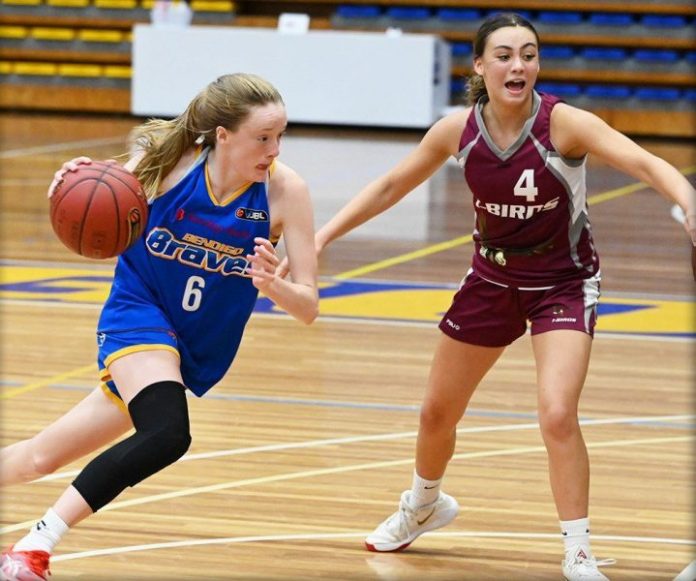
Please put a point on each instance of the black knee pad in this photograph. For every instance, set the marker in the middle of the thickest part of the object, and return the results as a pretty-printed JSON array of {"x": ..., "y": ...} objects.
[{"x": 162, "y": 436}]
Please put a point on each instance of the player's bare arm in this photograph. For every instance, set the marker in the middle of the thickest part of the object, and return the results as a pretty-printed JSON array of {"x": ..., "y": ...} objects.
[{"x": 291, "y": 214}]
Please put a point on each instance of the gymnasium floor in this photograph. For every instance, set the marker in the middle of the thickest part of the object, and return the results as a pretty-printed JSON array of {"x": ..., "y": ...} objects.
[{"x": 306, "y": 444}]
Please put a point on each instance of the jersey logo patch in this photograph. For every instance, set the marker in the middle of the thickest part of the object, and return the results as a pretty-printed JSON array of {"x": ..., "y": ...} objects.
[{"x": 251, "y": 214}]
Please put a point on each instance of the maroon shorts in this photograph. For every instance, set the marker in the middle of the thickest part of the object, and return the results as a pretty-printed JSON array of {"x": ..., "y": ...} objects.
[{"x": 492, "y": 315}]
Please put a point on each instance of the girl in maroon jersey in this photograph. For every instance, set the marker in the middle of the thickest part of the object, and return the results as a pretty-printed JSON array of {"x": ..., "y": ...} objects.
[{"x": 523, "y": 157}]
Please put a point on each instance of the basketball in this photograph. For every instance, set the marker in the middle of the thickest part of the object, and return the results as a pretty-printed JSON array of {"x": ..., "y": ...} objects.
[{"x": 99, "y": 210}]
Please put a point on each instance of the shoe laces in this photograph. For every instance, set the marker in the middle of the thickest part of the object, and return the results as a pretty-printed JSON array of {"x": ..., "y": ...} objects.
[
  {"x": 594, "y": 562},
  {"x": 399, "y": 523},
  {"x": 605, "y": 562},
  {"x": 581, "y": 562}
]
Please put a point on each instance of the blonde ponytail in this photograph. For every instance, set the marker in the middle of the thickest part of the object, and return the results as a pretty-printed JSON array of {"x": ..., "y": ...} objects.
[{"x": 226, "y": 102}]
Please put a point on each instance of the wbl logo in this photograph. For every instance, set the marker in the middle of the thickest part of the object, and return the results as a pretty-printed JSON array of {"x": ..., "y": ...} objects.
[{"x": 249, "y": 214}]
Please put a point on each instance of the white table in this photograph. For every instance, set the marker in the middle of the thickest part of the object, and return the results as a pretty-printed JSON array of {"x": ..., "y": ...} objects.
[{"x": 325, "y": 77}]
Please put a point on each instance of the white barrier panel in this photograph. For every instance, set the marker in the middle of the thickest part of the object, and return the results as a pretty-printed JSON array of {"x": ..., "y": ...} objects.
[{"x": 325, "y": 77}]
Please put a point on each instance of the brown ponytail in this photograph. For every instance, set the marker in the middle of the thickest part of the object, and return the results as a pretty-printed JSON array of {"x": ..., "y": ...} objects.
[{"x": 475, "y": 89}]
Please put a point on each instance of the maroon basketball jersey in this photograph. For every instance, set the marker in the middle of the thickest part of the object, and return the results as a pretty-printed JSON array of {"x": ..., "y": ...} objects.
[{"x": 532, "y": 226}]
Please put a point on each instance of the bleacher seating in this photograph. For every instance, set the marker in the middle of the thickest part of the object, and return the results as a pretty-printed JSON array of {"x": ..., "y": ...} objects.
[{"x": 628, "y": 62}]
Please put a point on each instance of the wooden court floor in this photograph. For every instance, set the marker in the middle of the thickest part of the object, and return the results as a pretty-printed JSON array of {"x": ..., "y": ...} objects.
[{"x": 307, "y": 443}]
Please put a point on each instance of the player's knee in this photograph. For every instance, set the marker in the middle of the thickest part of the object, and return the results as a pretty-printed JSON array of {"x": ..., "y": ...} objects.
[
  {"x": 162, "y": 435},
  {"x": 42, "y": 461},
  {"x": 435, "y": 417},
  {"x": 170, "y": 444},
  {"x": 148, "y": 452},
  {"x": 558, "y": 422}
]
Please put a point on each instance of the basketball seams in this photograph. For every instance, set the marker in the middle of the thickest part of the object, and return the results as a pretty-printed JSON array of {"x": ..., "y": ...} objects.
[
  {"x": 122, "y": 175},
  {"x": 65, "y": 192},
  {"x": 117, "y": 207},
  {"x": 85, "y": 213}
]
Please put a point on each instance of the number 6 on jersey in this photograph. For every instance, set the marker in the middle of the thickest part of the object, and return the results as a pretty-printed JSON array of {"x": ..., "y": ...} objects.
[{"x": 193, "y": 293}]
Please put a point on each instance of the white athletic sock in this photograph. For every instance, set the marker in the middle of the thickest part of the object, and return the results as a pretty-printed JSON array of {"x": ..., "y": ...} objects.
[
  {"x": 576, "y": 532},
  {"x": 44, "y": 535},
  {"x": 423, "y": 491}
]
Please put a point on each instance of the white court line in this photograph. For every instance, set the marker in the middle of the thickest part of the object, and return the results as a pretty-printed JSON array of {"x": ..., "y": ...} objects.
[
  {"x": 392, "y": 436},
  {"x": 212, "y": 488},
  {"x": 10, "y": 153},
  {"x": 355, "y": 535}
]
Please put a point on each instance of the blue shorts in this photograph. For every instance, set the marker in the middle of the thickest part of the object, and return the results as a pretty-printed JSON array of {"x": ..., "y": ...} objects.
[
  {"x": 113, "y": 346},
  {"x": 494, "y": 315}
]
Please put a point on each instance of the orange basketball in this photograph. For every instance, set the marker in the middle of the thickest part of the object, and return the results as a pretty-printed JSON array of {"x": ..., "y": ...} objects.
[{"x": 99, "y": 210}]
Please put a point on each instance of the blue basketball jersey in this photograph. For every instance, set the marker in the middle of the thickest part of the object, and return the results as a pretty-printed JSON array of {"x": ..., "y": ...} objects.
[{"x": 183, "y": 285}]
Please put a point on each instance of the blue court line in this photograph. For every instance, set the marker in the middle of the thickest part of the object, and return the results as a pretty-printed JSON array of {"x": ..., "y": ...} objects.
[{"x": 480, "y": 413}]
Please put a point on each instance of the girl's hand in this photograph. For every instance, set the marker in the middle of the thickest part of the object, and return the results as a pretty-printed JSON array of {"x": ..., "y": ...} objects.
[
  {"x": 263, "y": 264},
  {"x": 66, "y": 167}
]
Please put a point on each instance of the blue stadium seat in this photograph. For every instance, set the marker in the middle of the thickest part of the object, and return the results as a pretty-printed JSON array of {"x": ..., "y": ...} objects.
[
  {"x": 408, "y": 13},
  {"x": 457, "y": 86},
  {"x": 657, "y": 94},
  {"x": 656, "y": 56},
  {"x": 604, "y": 53},
  {"x": 663, "y": 21},
  {"x": 458, "y": 14},
  {"x": 611, "y": 19},
  {"x": 350, "y": 11},
  {"x": 690, "y": 57},
  {"x": 608, "y": 91},
  {"x": 690, "y": 94},
  {"x": 560, "y": 89},
  {"x": 461, "y": 49},
  {"x": 547, "y": 17},
  {"x": 557, "y": 52}
]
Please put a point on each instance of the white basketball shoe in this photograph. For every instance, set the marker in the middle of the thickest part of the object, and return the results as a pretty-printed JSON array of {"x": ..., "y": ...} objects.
[{"x": 406, "y": 525}]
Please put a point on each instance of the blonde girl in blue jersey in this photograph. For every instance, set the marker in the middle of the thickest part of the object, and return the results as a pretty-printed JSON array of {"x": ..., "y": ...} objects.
[
  {"x": 523, "y": 157},
  {"x": 219, "y": 200}
]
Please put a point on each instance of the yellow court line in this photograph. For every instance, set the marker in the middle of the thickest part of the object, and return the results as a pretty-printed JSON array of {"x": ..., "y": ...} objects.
[
  {"x": 404, "y": 257},
  {"x": 49, "y": 380},
  {"x": 435, "y": 248},
  {"x": 212, "y": 488}
]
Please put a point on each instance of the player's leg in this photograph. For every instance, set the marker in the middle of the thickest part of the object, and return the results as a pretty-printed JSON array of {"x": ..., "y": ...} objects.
[
  {"x": 92, "y": 423},
  {"x": 562, "y": 361},
  {"x": 481, "y": 321},
  {"x": 456, "y": 371},
  {"x": 151, "y": 386},
  {"x": 563, "y": 320}
]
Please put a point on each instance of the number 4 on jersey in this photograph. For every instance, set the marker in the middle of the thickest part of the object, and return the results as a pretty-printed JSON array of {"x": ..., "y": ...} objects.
[{"x": 525, "y": 186}]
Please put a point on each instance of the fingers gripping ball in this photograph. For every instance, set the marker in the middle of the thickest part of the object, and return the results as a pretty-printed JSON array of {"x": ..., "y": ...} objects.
[{"x": 99, "y": 210}]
